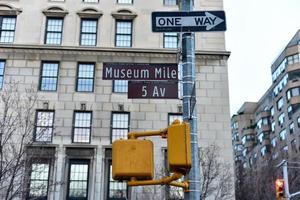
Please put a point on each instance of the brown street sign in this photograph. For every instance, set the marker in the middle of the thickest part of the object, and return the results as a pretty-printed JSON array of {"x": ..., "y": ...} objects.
[
  {"x": 140, "y": 71},
  {"x": 152, "y": 90}
]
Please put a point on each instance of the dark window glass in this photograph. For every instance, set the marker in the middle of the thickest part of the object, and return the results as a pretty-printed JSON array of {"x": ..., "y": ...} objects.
[
  {"x": 170, "y": 40},
  {"x": 54, "y": 31},
  {"x": 7, "y": 29},
  {"x": 120, "y": 125},
  {"x": 78, "y": 180},
  {"x": 39, "y": 177},
  {"x": 44, "y": 126},
  {"x": 49, "y": 75},
  {"x": 117, "y": 190},
  {"x": 123, "y": 33},
  {"x": 88, "y": 35},
  {"x": 120, "y": 86},
  {"x": 82, "y": 127},
  {"x": 2, "y": 67},
  {"x": 85, "y": 77}
]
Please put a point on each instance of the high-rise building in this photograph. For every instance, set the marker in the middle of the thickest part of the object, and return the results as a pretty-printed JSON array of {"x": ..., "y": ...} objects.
[
  {"x": 269, "y": 128},
  {"x": 60, "y": 46}
]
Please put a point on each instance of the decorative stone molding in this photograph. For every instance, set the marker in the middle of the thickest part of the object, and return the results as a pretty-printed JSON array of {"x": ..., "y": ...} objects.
[
  {"x": 9, "y": 10},
  {"x": 55, "y": 12},
  {"x": 90, "y": 13},
  {"x": 124, "y": 14}
]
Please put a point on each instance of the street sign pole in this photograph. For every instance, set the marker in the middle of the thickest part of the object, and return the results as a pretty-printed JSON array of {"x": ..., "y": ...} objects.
[{"x": 188, "y": 78}]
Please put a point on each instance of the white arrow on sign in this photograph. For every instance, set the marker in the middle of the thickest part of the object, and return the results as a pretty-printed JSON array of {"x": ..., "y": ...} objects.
[{"x": 209, "y": 21}]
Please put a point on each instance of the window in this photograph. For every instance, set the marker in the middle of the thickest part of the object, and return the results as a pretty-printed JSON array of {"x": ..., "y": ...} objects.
[
  {"x": 288, "y": 95},
  {"x": 282, "y": 135},
  {"x": 123, "y": 33},
  {"x": 272, "y": 111},
  {"x": 298, "y": 121},
  {"x": 88, "y": 34},
  {"x": 294, "y": 145},
  {"x": 125, "y": 1},
  {"x": 279, "y": 70},
  {"x": 85, "y": 77},
  {"x": 236, "y": 137},
  {"x": 173, "y": 116},
  {"x": 238, "y": 147},
  {"x": 291, "y": 127},
  {"x": 54, "y": 31},
  {"x": 120, "y": 86},
  {"x": 170, "y": 40},
  {"x": 78, "y": 180},
  {"x": 274, "y": 142},
  {"x": 275, "y": 155},
  {"x": 90, "y": 1},
  {"x": 280, "y": 103},
  {"x": 44, "y": 126},
  {"x": 281, "y": 119},
  {"x": 245, "y": 151},
  {"x": 7, "y": 29},
  {"x": 261, "y": 137},
  {"x": 235, "y": 125},
  {"x": 290, "y": 111},
  {"x": 280, "y": 85},
  {"x": 285, "y": 149},
  {"x": 49, "y": 75},
  {"x": 171, "y": 2},
  {"x": 82, "y": 126},
  {"x": 2, "y": 67},
  {"x": 116, "y": 190},
  {"x": 247, "y": 138},
  {"x": 119, "y": 125},
  {"x": 293, "y": 59},
  {"x": 39, "y": 178},
  {"x": 263, "y": 151},
  {"x": 273, "y": 126}
]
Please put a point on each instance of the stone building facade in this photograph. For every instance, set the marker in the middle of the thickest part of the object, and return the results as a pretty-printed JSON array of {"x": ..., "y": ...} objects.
[{"x": 59, "y": 47}]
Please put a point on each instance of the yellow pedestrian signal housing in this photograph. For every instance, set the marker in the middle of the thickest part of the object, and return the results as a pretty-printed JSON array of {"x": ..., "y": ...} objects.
[
  {"x": 179, "y": 147},
  {"x": 279, "y": 187},
  {"x": 132, "y": 158}
]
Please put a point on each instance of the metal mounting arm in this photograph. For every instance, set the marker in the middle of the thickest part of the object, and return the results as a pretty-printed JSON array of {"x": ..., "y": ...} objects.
[
  {"x": 135, "y": 135},
  {"x": 170, "y": 180}
]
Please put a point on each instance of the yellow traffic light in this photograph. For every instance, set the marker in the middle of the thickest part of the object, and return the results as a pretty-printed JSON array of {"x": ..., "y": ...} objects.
[
  {"x": 179, "y": 147},
  {"x": 132, "y": 158},
  {"x": 279, "y": 187}
]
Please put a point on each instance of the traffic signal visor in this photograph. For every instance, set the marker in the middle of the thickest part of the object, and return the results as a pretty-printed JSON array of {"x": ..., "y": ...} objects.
[
  {"x": 132, "y": 158},
  {"x": 179, "y": 147}
]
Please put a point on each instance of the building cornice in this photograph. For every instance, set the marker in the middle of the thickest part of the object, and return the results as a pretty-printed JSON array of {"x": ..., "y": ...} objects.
[{"x": 104, "y": 51}]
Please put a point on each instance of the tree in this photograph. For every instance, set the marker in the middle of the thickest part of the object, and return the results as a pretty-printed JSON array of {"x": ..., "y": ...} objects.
[
  {"x": 216, "y": 175},
  {"x": 17, "y": 111}
]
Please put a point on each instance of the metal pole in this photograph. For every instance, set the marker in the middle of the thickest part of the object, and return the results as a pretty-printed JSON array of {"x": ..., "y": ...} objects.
[
  {"x": 188, "y": 81},
  {"x": 286, "y": 180}
]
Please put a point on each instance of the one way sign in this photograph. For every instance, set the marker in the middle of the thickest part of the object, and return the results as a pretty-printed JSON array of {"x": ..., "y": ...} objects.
[{"x": 197, "y": 21}]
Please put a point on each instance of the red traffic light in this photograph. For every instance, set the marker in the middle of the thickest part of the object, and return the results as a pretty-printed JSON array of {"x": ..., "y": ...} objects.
[
  {"x": 279, "y": 182},
  {"x": 279, "y": 187}
]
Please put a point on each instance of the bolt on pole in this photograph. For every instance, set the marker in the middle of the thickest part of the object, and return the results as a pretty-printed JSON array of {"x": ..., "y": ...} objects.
[{"x": 188, "y": 81}]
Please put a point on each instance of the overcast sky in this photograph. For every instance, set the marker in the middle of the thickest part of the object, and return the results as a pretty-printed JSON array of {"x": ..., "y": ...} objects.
[{"x": 257, "y": 31}]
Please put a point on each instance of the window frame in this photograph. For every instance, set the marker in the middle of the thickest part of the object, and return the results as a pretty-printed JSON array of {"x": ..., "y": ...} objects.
[
  {"x": 165, "y": 35},
  {"x": 41, "y": 75},
  {"x": 111, "y": 123},
  {"x": 46, "y": 30},
  {"x": 77, "y": 75},
  {"x": 43, "y": 161},
  {"x": 109, "y": 163},
  {"x": 36, "y": 126},
  {"x": 2, "y": 75},
  {"x": 78, "y": 162},
  {"x": 116, "y": 31},
  {"x": 176, "y": 4},
  {"x": 14, "y": 31},
  {"x": 81, "y": 32},
  {"x": 74, "y": 122}
]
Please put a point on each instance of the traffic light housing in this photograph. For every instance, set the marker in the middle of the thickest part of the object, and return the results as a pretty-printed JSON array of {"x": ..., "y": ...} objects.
[
  {"x": 132, "y": 158},
  {"x": 279, "y": 187},
  {"x": 179, "y": 147}
]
